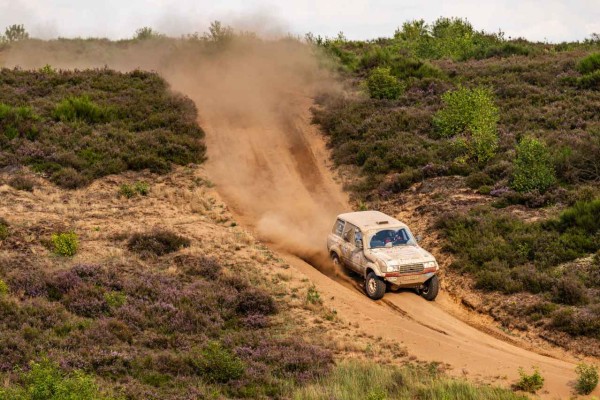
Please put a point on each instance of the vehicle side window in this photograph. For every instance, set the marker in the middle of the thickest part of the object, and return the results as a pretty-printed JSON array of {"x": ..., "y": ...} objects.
[
  {"x": 338, "y": 228},
  {"x": 349, "y": 231}
]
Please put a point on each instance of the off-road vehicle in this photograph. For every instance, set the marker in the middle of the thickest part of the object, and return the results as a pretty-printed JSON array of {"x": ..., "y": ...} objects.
[{"x": 384, "y": 251}]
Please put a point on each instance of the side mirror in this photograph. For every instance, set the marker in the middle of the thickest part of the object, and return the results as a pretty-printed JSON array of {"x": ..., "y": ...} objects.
[{"x": 419, "y": 238}]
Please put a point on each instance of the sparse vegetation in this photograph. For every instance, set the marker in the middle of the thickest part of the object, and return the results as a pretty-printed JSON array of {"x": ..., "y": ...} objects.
[
  {"x": 587, "y": 378},
  {"x": 529, "y": 383},
  {"x": 65, "y": 244},
  {"x": 355, "y": 380},
  {"x": 138, "y": 188}
]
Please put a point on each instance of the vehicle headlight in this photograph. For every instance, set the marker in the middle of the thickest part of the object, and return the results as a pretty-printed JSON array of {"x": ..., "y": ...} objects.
[
  {"x": 430, "y": 265},
  {"x": 392, "y": 267}
]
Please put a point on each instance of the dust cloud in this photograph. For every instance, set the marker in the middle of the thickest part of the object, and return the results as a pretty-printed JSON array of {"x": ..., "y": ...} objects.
[{"x": 253, "y": 97}]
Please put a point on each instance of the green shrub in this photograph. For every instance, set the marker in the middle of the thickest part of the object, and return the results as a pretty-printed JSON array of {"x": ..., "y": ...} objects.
[
  {"x": 589, "y": 64},
  {"x": 587, "y": 378},
  {"x": 3, "y": 288},
  {"x": 383, "y": 85},
  {"x": 533, "y": 168},
  {"x": 4, "y": 230},
  {"x": 129, "y": 191},
  {"x": 472, "y": 114},
  {"x": 313, "y": 296},
  {"x": 81, "y": 109},
  {"x": 115, "y": 299},
  {"x": 529, "y": 383},
  {"x": 142, "y": 188},
  {"x": 46, "y": 381},
  {"x": 126, "y": 191},
  {"x": 569, "y": 290},
  {"x": 65, "y": 244},
  {"x": 157, "y": 243},
  {"x": 217, "y": 364}
]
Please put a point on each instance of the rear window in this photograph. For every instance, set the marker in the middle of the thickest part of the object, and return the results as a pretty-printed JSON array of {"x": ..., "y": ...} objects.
[{"x": 338, "y": 228}]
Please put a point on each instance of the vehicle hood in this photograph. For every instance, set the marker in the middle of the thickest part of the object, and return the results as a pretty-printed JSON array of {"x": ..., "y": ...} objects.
[{"x": 401, "y": 254}]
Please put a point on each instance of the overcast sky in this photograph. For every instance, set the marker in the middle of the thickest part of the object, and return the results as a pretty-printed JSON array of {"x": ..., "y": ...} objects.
[{"x": 551, "y": 20}]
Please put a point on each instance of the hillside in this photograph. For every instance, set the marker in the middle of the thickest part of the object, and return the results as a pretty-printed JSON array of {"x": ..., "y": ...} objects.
[
  {"x": 123, "y": 274},
  {"x": 491, "y": 147}
]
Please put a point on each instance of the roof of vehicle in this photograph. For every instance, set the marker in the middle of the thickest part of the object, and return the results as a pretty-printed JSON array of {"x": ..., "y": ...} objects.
[{"x": 370, "y": 219}]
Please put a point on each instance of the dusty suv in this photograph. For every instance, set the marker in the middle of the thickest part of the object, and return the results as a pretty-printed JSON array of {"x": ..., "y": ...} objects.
[{"x": 384, "y": 251}]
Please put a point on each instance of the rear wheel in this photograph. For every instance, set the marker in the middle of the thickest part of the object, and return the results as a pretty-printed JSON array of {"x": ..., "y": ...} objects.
[
  {"x": 431, "y": 288},
  {"x": 374, "y": 286}
]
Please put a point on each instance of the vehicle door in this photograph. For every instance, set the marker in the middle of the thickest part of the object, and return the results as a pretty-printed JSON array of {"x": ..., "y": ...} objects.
[
  {"x": 357, "y": 258},
  {"x": 349, "y": 248}
]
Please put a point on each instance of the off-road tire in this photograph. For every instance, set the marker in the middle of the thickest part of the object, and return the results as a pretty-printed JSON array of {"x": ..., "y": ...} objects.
[
  {"x": 374, "y": 286},
  {"x": 335, "y": 260},
  {"x": 431, "y": 288}
]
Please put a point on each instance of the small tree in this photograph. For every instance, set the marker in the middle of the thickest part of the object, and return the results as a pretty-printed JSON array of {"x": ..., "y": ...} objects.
[
  {"x": 14, "y": 33},
  {"x": 383, "y": 85},
  {"x": 218, "y": 33},
  {"x": 470, "y": 113},
  {"x": 146, "y": 33},
  {"x": 533, "y": 169}
]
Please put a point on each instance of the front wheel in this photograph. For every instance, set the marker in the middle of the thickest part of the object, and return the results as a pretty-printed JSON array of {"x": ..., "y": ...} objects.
[
  {"x": 374, "y": 286},
  {"x": 431, "y": 288}
]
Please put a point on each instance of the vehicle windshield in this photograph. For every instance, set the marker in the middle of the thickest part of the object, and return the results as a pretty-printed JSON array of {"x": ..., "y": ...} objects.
[{"x": 391, "y": 238}]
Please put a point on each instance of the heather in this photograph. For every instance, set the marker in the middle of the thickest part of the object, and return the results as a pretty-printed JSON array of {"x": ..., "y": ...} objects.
[
  {"x": 506, "y": 254},
  {"x": 149, "y": 334},
  {"x": 76, "y": 126}
]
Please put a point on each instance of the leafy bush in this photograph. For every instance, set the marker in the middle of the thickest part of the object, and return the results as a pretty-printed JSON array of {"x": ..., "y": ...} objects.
[
  {"x": 472, "y": 114},
  {"x": 65, "y": 244},
  {"x": 383, "y": 85},
  {"x": 157, "y": 243},
  {"x": 4, "y": 231},
  {"x": 218, "y": 364},
  {"x": 529, "y": 383},
  {"x": 587, "y": 378},
  {"x": 569, "y": 290},
  {"x": 533, "y": 169},
  {"x": 21, "y": 182},
  {"x": 46, "y": 381},
  {"x": 589, "y": 64}
]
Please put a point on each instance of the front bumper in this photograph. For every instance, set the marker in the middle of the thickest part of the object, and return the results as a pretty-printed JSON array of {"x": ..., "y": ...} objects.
[{"x": 408, "y": 280}]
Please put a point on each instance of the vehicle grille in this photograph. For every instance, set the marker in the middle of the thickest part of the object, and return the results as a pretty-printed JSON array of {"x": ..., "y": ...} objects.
[{"x": 413, "y": 268}]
